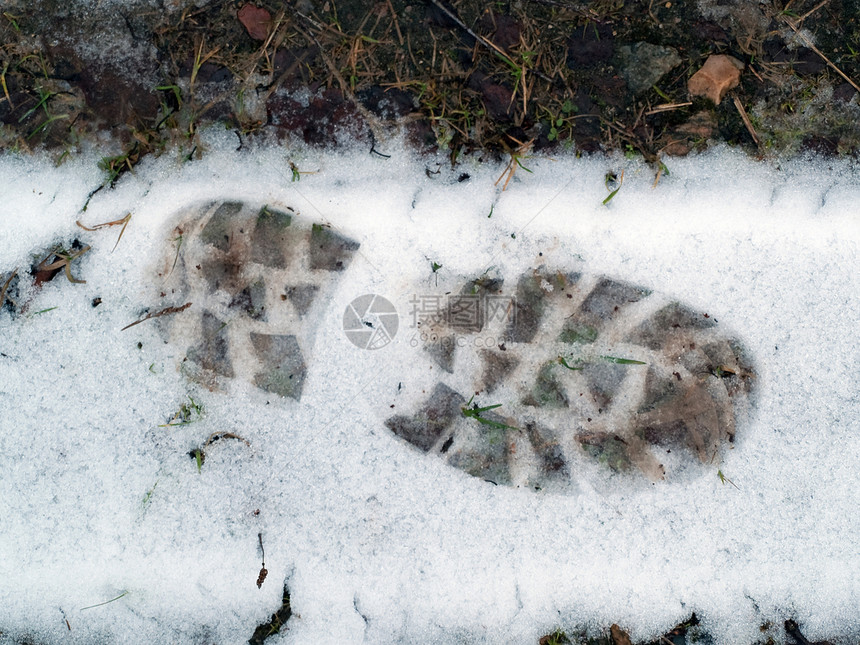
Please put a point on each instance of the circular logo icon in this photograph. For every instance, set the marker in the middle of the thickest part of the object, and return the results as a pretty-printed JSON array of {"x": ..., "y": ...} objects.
[{"x": 370, "y": 321}]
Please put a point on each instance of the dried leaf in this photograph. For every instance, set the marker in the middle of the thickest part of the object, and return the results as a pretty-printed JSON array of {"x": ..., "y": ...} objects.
[
  {"x": 619, "y": 636},
  {"x": 46, "y": 272},
  {"x": 256, "y": 20},
  {"x": 718, "y": 75}
]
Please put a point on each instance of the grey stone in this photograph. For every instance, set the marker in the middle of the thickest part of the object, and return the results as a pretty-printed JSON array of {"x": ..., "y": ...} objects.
[{"x": 643, "y": 64}]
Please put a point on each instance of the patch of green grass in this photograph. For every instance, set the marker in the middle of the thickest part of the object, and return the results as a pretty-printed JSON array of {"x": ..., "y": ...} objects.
[
  {"x": 187, "y": 413},
  {"x": 475, "y": 413},
  {"x": 611, "y": 180}
]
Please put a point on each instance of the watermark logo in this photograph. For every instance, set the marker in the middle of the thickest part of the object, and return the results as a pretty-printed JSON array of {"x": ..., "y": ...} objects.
[
  {"x": 370, "y": 321},
  {"x": 463, "y": 313}
]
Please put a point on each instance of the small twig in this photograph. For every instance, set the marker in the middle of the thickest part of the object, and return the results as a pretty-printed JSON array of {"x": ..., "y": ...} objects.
[
  {"x": 755, "y": 73},
  {"x": 812, "y": 46},
  {"x": 746, "y": 120},
  {"x": 666, "y": 107},
  {"x": 812, "y": 11},
  {"x": 396, "y": 23},
  {"x": 792, "y": 629},
  {"x": 163, "y": 312}
]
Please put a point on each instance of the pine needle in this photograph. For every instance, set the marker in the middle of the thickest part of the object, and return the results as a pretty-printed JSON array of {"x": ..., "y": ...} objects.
[{"x": 124, "y": 593}]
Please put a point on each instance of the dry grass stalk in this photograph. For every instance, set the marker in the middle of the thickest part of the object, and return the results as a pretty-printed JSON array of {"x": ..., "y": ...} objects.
[
  {"x": 163, "y": 312},
  {"x": 812, "y": 46},
  {"x": 746, "y": 120},
  {"x": 667, "y": 107},
  {"x": 124, "y": 221}
]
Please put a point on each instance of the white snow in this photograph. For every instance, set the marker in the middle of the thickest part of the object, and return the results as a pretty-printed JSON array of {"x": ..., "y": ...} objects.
[{"x": 376, "y": 542}]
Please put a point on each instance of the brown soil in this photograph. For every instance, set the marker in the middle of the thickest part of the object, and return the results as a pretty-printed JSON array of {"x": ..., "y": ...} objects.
[{"x": 497, "y": 77}]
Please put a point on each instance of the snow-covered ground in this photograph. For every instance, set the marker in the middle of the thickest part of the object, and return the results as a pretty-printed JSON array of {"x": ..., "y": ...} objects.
[{"x": 376, "y": 542}]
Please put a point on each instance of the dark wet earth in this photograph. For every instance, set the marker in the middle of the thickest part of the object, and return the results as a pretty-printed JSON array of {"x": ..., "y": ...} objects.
[{"x": 500, "y": 78}]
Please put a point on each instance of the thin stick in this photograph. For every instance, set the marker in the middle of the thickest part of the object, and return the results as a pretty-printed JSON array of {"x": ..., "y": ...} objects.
[
  {"x": 666, "y": 107},
  {"x": 163, "y": 312},
  {"x": 396, "y": 23},
  {"x": 812, "y": 11},
  {"x": 756, "y": 74},
  {"x": 746, "y": 120},
  {"x": 812, "y": 46}
]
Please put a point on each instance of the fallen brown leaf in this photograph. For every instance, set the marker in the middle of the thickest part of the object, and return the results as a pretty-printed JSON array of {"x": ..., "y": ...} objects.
[
  {"x": 619, "y": 636},
  {"x": 256, "y": 20},
  {"x": 718, "y": 75}
]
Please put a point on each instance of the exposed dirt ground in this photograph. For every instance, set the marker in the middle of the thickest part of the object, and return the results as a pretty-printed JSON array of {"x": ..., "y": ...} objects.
[{"x": 499, "y": 79}]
